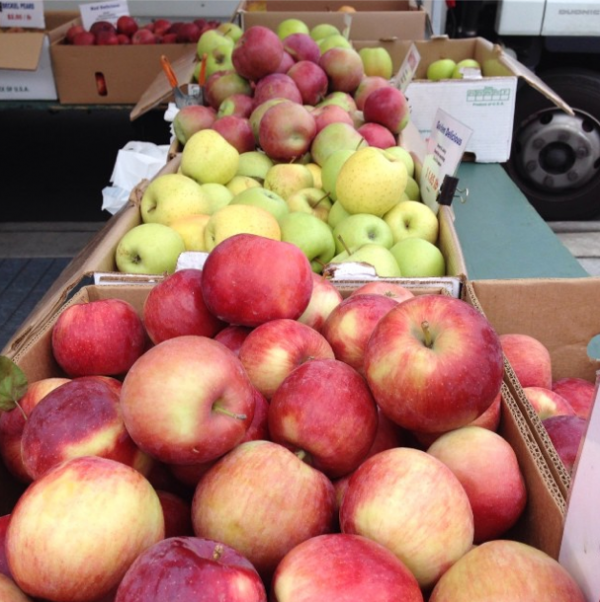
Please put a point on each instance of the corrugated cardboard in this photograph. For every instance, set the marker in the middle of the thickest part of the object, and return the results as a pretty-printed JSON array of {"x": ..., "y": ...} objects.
[
  {"x": 372, "y": 19},
  {"x": 25, "y": 65},
  {"x": 127, "y": 70},
  {"x": 486, "y": 105},
  {"x": 540, "y": 524},
  {"x": 563, "y": 315}
]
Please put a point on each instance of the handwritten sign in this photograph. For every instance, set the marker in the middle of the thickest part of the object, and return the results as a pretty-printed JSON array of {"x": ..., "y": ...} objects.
[{"x": 23, "y": 14}]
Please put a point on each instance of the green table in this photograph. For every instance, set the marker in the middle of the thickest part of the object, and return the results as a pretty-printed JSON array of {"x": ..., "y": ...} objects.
[{"x": 501, "y": 234}]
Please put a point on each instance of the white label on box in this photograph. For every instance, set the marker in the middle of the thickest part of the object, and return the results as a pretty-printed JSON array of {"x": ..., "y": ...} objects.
[
  {"x": 29, "y": 14},
  {"x": 347, "y": 25},
  {"x": 580, "y": 546},
  {"x": 445, "y": 149},
  {"x": 103, "y": 11},
  {"x": 408, "y": 69}
]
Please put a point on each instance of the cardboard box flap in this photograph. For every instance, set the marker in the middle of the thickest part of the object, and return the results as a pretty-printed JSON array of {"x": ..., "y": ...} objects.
[
  {"x": 21, "y": 51},
  {"x": 160, "y": 90}
]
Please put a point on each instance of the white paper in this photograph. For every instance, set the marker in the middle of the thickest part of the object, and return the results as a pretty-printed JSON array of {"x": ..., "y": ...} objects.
[
  {"x": 29, "y": 14},
  {"x": 408, "y": 68},
  {"x": 103, "y": 11}
]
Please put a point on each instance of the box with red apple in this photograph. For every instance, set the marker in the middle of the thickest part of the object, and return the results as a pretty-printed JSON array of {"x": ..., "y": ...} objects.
[{"x": 550, "y": 328}]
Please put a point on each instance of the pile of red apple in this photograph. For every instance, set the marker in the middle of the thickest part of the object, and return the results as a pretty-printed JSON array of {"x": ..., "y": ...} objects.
[
  {"x": 128, "y": 30},
  {"x": 248, "y": 434}
]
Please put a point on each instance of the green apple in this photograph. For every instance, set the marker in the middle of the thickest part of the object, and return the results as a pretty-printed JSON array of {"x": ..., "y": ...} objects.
[
  {"x": 312, "y": 235},
  {"x": 336, "y": 214},
  {"x": 333, "y": 137},
  {"x": 261, "y": 197},
  {"x": 322, "y": 30},
  {"x": 358, "y": 229},
  {"x": 331, "y": 169},
  {"x": 440, "y": 69},
  {"x": 377, "y": 61},
  {"x": 287, "y": 178},
  {"x": 371, "y": 181},
  {"x": 218, "y": 196},
  {"x": 315, "y": 170},
  {"x": 418, "y": 258},
  {"x": 149, "y": 249},
  {"x": 171, "y": 196},
  {"x": 412, "y": 190},
  {"x": 464, "y": 64},
  {"x": 231, "y": 30},
  {"x": 208, "y": 157},
  {"x": 335, "y": 40},
  {"x": 378, "y": 256},
  {"x": 403, "y": 154},
  {"x": 210, "y": 39},
  {"x": 218, "y": 59},
  {"x": 342, "y": 99},
  {"x": 238, "y": 184},
  {"x": 311, "y": 200},
  {"x": 289, "y": 26},
  {"x": 255, "y": 164},
  {"x": 412, "y": 219}
]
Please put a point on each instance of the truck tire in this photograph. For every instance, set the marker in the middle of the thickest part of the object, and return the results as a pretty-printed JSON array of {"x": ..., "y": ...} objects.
[{"x": 555, "y": 158}]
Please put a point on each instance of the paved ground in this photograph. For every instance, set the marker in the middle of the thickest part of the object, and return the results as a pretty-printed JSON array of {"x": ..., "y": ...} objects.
[{"x": 583, "y": 241}]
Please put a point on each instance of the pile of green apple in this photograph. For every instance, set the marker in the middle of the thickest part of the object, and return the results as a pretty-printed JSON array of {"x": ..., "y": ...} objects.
[
  {"x": 297, "y": 140},
  {"x": 447, "y": 68}
]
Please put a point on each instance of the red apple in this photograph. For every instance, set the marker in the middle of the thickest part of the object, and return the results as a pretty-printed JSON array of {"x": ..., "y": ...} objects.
[
  {"x": 191, "y": 119},
  {"x": 398, "y": 292},
  {"x": 332, "y": 433},
  {"x": 339, "y": 566},
  {"x": 351, "y": 323},
  {"x": 102, "y": 26},
  {"x": 233, "y": 336},
  {"x": 367, "y": 84},
  {"x": 579, "y": 392},
  {"x": 302, "y": 47},
  {"x": 275, "y": 283},
  {"x": 529, "y": 359},
  {"x": 388, "y": 107},
  {"x": 13, "y": 422},
  {"x": 287, "y": 60},
  {"x": 241, "y": 105},
  {"x": 4, "y": 520},
  {"x": 276, "y": 85},
  {"x": 377, "y": 135},
  {"x": 310, "y": 79},
  {"x": 187, "y": 400},
  {"x": 257, "y": 52},
  {"x": 434, "y": 363},
  {"x": 169, "y": 38},
  {"x": 422, "y": 511},
  {"x": 163, "y": 26},
  {"x": 127, "y": 25},
  {"x": 107, "y": 38},
  {"x": 286, "y": 131},
  {"x": 143, "y": 36},
  {"x": 72, "y": 32},
  {"x": 481, "y": 575},
  {"x": 188, "y": 33},
  {"x": 222, "y": 84},
  {"x": 81, "y": 417},
  {"x": 123, "y": 39},
  {"x": 101, "y": 337},
  {"x": 547, "y": 403},
  {"x": 488, "y": 469},
  {"x": 191, "y": 568},
  {"x": 324, "y": 298},
  {"x": 343, "y": 67},
  {"x": 75, "y": 531},
  {"x": 84, "y": 38},
  {"x": 273, "y": 349},
  {"x": 566, "y": 434},
  {"x": 177, "y": 513},
  {"x": 237, "y": 131},
  {"x": 331, "y": 114},
  {"x": 290, "y": 501}
]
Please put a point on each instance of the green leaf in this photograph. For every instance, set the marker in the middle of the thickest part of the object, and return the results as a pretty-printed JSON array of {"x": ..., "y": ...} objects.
[{"x": 13, "y": 384}]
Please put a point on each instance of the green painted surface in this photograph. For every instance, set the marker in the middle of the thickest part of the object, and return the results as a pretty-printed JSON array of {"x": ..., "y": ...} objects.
[{"x": 501, "y": 234}]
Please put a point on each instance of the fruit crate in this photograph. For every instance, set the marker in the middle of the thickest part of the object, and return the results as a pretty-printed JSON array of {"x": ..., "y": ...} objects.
[{"x": 571, "y": 336}]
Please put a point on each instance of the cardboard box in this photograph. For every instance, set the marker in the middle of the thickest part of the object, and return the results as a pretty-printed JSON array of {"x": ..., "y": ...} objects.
[
  {"x": 540, "y": 525},
  {"x": 373, "y": 19},
  {"x": 485, "y": 105},
  {"x": 127, "y": 71},
  {"x": 25, "y": 64},
  {"x": 563, "y": 315}
]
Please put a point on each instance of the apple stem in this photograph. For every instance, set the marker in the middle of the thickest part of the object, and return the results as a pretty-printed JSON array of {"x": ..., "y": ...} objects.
[
  {"x": 340, "y": 238},
  {"x": 222, "y": 410},
  {"x": 325, "y": 196},
  {"x": 361, "y": 141},
  {"x": 21, "y": 409},
  {"x": 218, "y": 551},
  {"x": 321, "y": 263},
  {"x": 427, "y": 333},
  {"x": 302, "y": 454}
]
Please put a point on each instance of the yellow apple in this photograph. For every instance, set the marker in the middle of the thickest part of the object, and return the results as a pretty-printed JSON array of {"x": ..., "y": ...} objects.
[
  {"x": 208, "y": 157},
  {"x": 218, "y": 195},
  {"x": 310, "y": 200},
  {"x": 371, "y": 181},
  {"x": 287, "y": 178},
  {"x": 192, "y": 229},
  {"x": 238, "y": 219},
  {"x": 412, "y": 219},
  {"x": 315, "y": 170},
  {"x": 238, "y": 184},
  {"x": 255, "y": 164}
]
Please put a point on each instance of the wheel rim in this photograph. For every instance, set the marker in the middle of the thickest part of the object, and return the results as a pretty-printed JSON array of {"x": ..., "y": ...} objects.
[{"x": 558, "y": 152}]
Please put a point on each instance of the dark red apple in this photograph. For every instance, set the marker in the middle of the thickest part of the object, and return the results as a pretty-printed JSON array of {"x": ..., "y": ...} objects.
[
  {"x": 233, "y": 336},
  {"x": 257, "y": 53},
  {"x": 387, "y": 106},
  {"x": 143, "y": 36},
  {"x": 566, "y": 434},
  {"x": 237, "y": 131},
  {"x": 99, "y": 26},
  {"x": 72, "y": 32},
  {"x": 162, "y": 26},
  {"x": 189, "y": 33},
  {"x": 310, "y": 80},
  {"x": 84, "y": 38},
  {"x": 178, "y": 514},
  {"x": 107, "y": 38},
  {"x": 302, "y": 47},
  {"x": 276, "y": 85},
  {"x": 127, "y": 25}
]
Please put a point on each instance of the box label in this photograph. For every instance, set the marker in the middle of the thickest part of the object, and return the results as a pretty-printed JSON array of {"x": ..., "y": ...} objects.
[
  {"x": 445, "y": 148},
  {"x": 29, "y": 14},
  {"x": 489, "y": 96},
  {"x": 103, "y": 11}
]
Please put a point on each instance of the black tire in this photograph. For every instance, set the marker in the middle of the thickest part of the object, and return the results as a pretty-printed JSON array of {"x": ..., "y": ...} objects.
[{"x": 555, "y": 159}]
